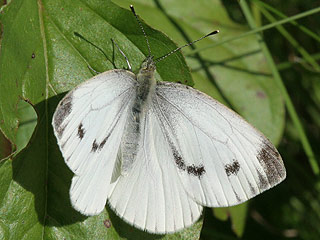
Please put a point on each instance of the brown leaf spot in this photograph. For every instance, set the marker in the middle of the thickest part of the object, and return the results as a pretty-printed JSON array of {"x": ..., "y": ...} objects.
[{"x": 107, "y": 223}]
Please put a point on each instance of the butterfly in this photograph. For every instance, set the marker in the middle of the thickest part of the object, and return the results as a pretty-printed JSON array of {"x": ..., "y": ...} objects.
[{"x": 158, "y": 151}]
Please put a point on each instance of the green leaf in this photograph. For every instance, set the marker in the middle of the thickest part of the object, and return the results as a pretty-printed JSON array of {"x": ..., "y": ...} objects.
[{"x": 41, "y": 58}]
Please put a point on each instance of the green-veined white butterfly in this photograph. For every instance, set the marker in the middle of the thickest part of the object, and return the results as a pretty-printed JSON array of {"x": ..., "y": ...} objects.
[{"x": 158, "y": 151}]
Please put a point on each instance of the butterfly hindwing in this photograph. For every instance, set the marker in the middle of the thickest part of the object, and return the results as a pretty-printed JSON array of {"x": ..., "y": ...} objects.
[
  {"x": 220, "y": 158},
  {"x": 150, "y": 196}
]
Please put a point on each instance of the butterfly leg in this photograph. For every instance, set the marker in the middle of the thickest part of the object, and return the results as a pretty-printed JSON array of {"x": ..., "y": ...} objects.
[
  {"x": 122, "y": 53},
  {"x": 96, "y": 72}
]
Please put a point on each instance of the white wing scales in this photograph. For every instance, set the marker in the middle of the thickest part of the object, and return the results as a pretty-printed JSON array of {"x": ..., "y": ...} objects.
[
  {"x": 220, "y": 158},
  {"x": 88, "y": 124},
  {"x": 151, "y": 196}
]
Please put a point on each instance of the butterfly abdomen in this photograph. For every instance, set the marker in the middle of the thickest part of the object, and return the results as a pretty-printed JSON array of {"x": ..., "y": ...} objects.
[{"x": 130, "y": 139}]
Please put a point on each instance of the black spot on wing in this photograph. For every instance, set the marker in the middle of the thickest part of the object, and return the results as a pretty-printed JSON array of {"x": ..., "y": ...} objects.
[
  {"x": 98, "y": 146},
  {"x": 81, "y": 131},
  {"x": 271, "y": 162},
  {"x": 232, "y": 168},
  {"x": 63, "y": 110},
  {"x": 194, "y": 170},
  {"x": 94, "y": 146}
]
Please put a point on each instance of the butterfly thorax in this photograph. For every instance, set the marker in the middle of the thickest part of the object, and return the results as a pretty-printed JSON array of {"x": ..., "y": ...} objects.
[
  {"x": 145, "y": 79},
  {"x": 132, "y": 135},
  {"x": 146, "y": 85}
]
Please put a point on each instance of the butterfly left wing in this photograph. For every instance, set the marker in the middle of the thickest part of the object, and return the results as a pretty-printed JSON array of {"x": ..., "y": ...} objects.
[
  {"x": 221, "y": 159},
  {"x": 88, "y": 124}
]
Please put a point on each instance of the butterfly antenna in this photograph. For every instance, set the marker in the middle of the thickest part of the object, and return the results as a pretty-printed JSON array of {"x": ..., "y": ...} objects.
[
  {"x": 144, "y": 33},
  {"x": 188, "y": 44}
]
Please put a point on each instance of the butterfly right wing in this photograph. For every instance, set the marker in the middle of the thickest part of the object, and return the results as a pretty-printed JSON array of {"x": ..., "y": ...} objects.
[
  {"x": 221, "y": 159},
  {"x": 88, "y": 124}
]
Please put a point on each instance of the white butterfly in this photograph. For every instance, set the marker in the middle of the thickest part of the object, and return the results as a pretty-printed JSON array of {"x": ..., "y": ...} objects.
[{"x": 158, "y": 151}]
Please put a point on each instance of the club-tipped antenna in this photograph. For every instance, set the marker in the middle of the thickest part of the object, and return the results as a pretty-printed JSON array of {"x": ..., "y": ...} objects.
[
  {"x": 144, "y": 33},
  {"x": 188, "y": 44}
]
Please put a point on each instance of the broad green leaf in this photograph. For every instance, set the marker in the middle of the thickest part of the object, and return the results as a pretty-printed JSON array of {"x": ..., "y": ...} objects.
[{"x": 41, "y": 58}]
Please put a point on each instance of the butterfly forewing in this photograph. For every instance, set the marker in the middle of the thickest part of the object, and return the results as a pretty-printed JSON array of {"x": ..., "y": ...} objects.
[{"x": 220, "y": 158}]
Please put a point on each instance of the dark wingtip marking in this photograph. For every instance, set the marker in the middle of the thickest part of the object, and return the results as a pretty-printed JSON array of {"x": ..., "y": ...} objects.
[
  {"x": 263, "y": 181},
  {"x": 271, "y": 162},
  {"x": 81, "y": 131},
  {"x": 63, "y": 110},
  {"x": 60, "y": 130},
  {"x": 232, "y": 168}
]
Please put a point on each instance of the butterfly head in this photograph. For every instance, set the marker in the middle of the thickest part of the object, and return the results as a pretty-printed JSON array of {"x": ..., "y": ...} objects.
[{"x": 148, "y": 65}]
